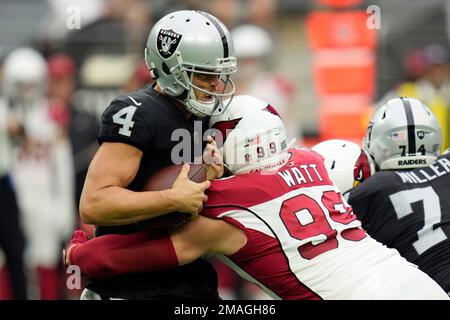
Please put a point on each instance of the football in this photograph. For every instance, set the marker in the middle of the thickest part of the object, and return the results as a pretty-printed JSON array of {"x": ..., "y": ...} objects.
[{"x": 162, "y": 180}]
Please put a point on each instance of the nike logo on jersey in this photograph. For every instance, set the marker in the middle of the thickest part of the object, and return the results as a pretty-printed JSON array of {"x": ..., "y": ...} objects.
[{"x": 135, "y": 102}]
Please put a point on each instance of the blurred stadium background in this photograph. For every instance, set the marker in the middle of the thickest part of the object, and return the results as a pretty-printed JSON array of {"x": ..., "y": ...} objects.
[{"x": 324, "y": 64}]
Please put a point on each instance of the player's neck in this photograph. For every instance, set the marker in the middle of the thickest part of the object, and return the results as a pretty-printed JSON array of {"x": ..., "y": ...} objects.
[{"x": 180, "y": 106}]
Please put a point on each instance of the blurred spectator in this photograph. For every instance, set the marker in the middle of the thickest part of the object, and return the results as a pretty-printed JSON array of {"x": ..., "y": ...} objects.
[
  {"x": 137, "y": 22},
  {"x": 415, "y": 64},
  {"x": 262, "y": 12},
  {"x": 230, "y": 12},
  {"x": 430, "y": 65},
  {"x": 106, "y": 51},
  {"x": 255, "y": 74},
  {"x": 60, "y": 17},
  {"x": 54, "y": 27},
  {"x": 82, "y": 127},
  {"x": 119, "y": 31},
  {"x": 42, "y": 169},
  {"x": 12, "y": 240}
]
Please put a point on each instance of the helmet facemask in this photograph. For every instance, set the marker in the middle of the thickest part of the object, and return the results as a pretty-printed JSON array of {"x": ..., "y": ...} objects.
[
  {"x": 184, "y": 75},
  {"x": 248, "y": 150}
]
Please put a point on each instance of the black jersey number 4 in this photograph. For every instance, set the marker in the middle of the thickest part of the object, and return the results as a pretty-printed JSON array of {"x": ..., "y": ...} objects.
[
  {"x": 427, "y": 235},
  {"x": 124, "y": 117}
]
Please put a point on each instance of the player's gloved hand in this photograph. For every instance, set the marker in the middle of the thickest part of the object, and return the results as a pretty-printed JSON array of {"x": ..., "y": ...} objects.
[
  {"x": 188, "y": 195},
  {"x": 78, "y": 237},
  {"x": 212, "y": 157}
]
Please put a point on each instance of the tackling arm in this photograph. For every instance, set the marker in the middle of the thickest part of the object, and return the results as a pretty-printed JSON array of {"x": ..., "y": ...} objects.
[
  {"x": 113, "y": 255},
  {"x": 206, "y": 235}
]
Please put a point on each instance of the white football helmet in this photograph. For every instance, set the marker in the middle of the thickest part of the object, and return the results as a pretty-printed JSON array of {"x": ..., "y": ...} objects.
[
  {"x": 24, "y": 75},
  {"x": 346, "y": 162},
  {"x": 188, "y": 42},
  {"x": 251, "y": 41},
  {"x": 253, "y": 135},
  {"x": 403, "y": 133}
]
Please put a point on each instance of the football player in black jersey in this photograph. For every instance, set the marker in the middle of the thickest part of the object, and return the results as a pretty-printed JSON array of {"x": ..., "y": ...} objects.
[
  {"x": 190, "y": 55},
  {"x": 406, "y": 203}
]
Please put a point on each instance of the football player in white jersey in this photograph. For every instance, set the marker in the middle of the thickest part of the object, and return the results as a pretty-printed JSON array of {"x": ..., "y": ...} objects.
[
  {"x": 42, "y": 168},
  {"x": 279, "y": 222}
]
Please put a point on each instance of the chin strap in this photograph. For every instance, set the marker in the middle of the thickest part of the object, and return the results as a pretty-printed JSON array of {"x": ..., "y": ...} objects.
[{"x": 200, "y": 108}]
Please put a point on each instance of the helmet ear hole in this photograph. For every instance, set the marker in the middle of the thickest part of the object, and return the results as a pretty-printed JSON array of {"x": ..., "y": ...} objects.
[{"x": 165, "y": 69}]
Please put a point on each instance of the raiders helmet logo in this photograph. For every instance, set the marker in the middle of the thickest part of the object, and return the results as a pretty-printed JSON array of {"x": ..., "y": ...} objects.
[
  {"x": 421, "y": 134},
  {"x": 167, "y": 42}
]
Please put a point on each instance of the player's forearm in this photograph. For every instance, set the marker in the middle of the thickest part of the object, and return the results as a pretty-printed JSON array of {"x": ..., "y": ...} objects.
[
  {"x": 113, "y": 205},
  {"x": 113, "y": 255}
]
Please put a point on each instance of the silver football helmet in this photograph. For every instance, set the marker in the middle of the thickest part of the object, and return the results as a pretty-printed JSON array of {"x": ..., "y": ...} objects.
[
  {"x": 403, "y": 133},
  {"x": 346, "y": 162},
  {"x": 188, "y": 42}
]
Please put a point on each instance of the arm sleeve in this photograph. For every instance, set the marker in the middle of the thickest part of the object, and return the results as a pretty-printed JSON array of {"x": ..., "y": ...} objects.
[{"x": 113, "y": 255}]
